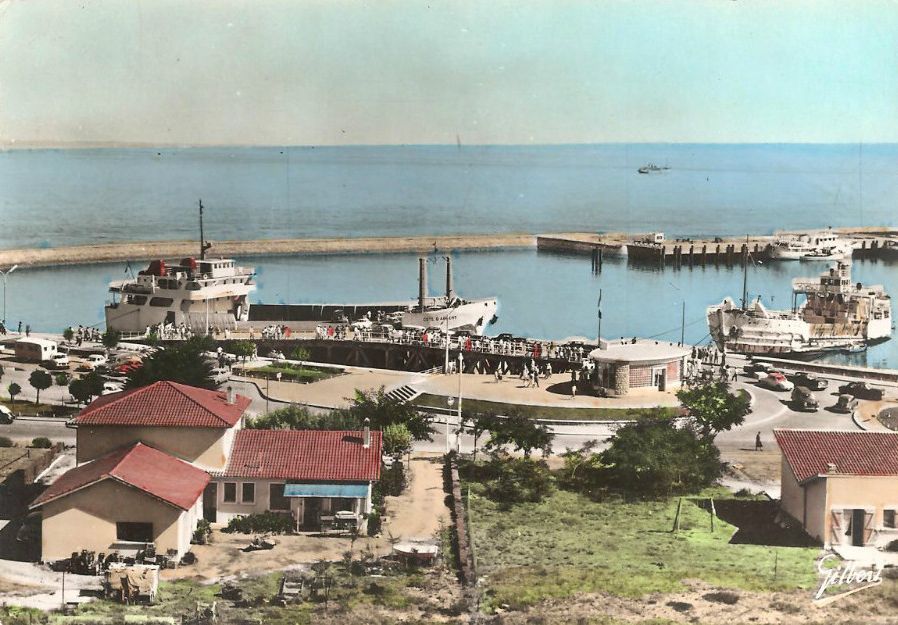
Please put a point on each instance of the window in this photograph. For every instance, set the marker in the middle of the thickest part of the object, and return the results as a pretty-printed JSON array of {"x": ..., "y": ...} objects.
[
  {"x": 230, "y": 492},
  {"x": 276, "y": 499},
  {"x": 888, "y": 519},
  {"x": 161, "y": 301},
  {"x": 248, "y": 493},
  {"x": 341, "y": 504},
  {"x": 134, "y": 532}
]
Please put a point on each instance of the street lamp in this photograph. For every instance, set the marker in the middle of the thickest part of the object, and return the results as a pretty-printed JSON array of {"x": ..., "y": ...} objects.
[
  {"x": 458, "y": 431},
  {"x": 450, "y": 401},
  {"x": 4, "y": 274}
]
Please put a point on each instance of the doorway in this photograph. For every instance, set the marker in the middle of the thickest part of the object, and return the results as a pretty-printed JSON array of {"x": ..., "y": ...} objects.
[
  {"x": 659, "y": 378},
  {"x": 210, "y": 502},
  {"x": 858, "y": 521},
  {"x": 311, "y": 513}
]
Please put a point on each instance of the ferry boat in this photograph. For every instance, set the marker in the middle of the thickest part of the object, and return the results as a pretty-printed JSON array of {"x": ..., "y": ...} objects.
[
  {"x": 651, "y": 168},
  {"x": 836, "y": 315},
  {"x": 195, "y": 292},
  {"x": 445, "y": 312}
]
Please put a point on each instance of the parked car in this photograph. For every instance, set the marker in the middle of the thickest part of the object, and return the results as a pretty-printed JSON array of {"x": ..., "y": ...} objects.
[
  {"x": 844, "y": 404},
  {"x": 776, "y": 381},
  {"x": 221, "y": 375},
  {"x": 809, "y": 380},
  {"x": 58, "y": 361},
  {"x": 803, "y": 400},
  {"x": 97, "y": 360},
  {"x": 128, "y": 367},
  {"x": 6, "y": 416},
  {"x": 861, "y": 390},
  {"x": 757, "y": 370},
  {"x": 111, "y": 387}
]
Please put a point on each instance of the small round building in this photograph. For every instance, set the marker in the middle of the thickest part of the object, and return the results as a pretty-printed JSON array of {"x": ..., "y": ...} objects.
[{"x": 637, "y": 364}]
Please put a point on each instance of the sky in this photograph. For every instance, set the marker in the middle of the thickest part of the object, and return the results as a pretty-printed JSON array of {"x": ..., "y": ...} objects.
[{"x": 332, "y": 72}]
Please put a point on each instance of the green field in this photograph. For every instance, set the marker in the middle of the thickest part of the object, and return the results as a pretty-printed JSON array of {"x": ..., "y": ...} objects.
[
  {"x": 25, "y": 408},
  {"x": 549, "y": 412},
  {"x": 289, "y": 372},
  {"x": 569, "y": 544}
]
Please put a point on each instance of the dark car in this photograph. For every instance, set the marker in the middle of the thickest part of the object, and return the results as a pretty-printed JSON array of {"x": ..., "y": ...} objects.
[
  {"x": 809, "y": 380},
  {"x": 803, "y": 400},
  {"x": 845, "y": 404},
  {"x": 861, "y": 390},
  {"x": 505, "y": 336}
]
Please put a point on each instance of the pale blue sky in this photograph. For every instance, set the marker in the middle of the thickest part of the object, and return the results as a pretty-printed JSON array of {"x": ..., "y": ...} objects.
[{"x": 351, "y": 72}]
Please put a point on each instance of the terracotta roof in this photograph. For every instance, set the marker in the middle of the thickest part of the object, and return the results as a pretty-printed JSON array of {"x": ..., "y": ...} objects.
[
  {"x": 165, "y": 404},
  {"x": 174, "y": 481},
  {"x": 305, "y": 455},
  {"x": 810, "y": 452}
]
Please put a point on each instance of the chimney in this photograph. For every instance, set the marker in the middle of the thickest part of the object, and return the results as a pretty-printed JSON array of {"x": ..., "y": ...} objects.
[
  {"x": 366, "y": 436},
  {"x": 831, "y": 468},
  {"x": 450, "y": 292},
  {"x": 422, "y": 282},
  {"x": 230, "y": 396}
]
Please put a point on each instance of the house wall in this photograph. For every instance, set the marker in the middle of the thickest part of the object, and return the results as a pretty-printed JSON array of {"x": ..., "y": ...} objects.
[
  {"x": 227, "y": 511},
  {"x": 86, "y": 519},
  {"x": 817, "y": 521},
  {"x": 791, "y": 493},
  {"x": 850, "y": 492},
  {"x": 205, "y": 447}
]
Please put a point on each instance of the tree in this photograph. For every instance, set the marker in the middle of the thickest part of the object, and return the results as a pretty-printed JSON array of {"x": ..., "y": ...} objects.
[
  {"x": 300, "y": 418},
  {"x": 1, "y": 372},
  {"x": 383, "y": 410},
  {"x": 111, "y": 338},
  {"x": 517, "y": 480},
  {"x": 582, "y": 468},
  {"x": 713, "y": 407},
  {"x": 655, "y": 458},
  {"x": 243, "y": 349},
  {"x": 184, "y": 363},
  {"x": 397, "y": 440},
  {"x": 41, "y": 442},
  {"x": 301, "y": 354},
  {"x": 86, "y": 388},
  {"x": 40, "y": 380},
  {"x": 61, "y": 378},
  {"x": 68, "y": 334},
  {"x": 13, "y": 389},
  {"x": 480, "y": 424},
  {"x": 522, "y": 433}
]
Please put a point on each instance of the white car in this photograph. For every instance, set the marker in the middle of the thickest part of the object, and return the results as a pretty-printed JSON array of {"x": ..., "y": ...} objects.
[
  {"x": 96, "y": 360},
  {"x": 776, "y": 381},
  {"x": 221, "y": 375},
  {"x": 111, "y": 387},
  {"x": 6, "y": 415},
  {"x": 60, "y": 361}
]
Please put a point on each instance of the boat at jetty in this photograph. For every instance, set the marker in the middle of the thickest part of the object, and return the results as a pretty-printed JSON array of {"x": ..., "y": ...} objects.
[
  {"x": 814, "y": 246},
  {"x": 835, "y": 315},
  {"x": 446, "y": 312},
  {"x": 203, "y": 293}
]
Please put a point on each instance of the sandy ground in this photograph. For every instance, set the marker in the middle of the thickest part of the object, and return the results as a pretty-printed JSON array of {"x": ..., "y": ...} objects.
[
  {"x": 419, "y": 513},
  {"x": 333, "y": 392},
  {"x": 552, "y": 392},
  {"x": 146, "y": 250}
]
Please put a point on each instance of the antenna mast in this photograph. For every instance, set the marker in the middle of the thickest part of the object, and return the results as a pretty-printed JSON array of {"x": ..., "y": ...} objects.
[
  {"x": 745, "y": 275},
  {"x": 202, "y": 238}
]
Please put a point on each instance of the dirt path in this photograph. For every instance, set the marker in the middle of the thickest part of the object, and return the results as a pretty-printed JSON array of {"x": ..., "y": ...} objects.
[{"x": 416, "y": 514}]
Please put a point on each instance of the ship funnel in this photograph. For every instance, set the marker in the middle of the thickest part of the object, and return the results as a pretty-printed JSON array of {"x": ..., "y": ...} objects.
[
  {"x": 450, "y": 293},
  {"x": 422, "y": 282}
]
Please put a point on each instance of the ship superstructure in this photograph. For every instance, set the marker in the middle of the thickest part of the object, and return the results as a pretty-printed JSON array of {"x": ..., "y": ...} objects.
[{"x": 834, "y": 315}]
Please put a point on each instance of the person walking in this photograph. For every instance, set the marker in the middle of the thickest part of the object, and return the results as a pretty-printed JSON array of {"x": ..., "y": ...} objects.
[{"x": 758, "y": 445}]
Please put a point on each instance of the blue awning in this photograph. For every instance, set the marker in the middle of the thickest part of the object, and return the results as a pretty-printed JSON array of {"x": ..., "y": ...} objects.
[{"x": 358, "y": 491}]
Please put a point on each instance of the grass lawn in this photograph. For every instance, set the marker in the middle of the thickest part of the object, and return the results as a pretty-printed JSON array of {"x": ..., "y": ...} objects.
[
  {"x": 569, "y": 544},
  {"x": 550, "y": 412},
  {"x": 291, "y": 373}
]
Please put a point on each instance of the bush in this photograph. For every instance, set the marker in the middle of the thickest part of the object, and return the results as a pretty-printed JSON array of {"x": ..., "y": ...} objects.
[
  {"x": 892, "y": 546},
  {"x": 374, "y": 523},
  {"x": 202, "y": 532},
  {"x": 41, "y": 442},
  {"x": 5, "y": 441},
  {"x": 393, "y": 480},
  {"x": 518, "y": 480},
  {"x": 261, "y": 523}
]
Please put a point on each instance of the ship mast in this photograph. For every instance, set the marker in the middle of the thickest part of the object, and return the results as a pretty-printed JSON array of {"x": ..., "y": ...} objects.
[
  {"x": 203, "y": 245},
  {"x": 745, "y": 275}
]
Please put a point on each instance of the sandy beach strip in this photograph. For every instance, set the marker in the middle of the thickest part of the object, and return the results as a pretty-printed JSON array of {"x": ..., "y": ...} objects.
[{"x": 149, "y": 250}]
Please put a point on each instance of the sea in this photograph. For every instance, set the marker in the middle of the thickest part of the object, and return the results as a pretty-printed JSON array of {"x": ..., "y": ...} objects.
[{"x": 51, "y": 198}]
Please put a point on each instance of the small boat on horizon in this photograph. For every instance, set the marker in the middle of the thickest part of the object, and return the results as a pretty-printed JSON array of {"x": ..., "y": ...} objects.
[{"x": 651, "y": 168}]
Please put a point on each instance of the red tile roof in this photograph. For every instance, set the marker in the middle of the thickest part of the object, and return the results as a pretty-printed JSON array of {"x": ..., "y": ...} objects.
[
  {"x": 174, "y": 481},
  {"x": 810, "y": 452},
  {"x": 165, "y": 404},
  {"x": 306, "y": 455}
]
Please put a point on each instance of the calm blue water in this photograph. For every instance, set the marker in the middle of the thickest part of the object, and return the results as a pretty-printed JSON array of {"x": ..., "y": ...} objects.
[
  {"x": 541, "y": 295},
  {"x": 63, "y": 197}
]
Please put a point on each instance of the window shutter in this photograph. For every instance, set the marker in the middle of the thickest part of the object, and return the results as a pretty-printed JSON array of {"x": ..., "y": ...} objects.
[
  {"x": 868, "y": 526},
  {"x": 835, "y": 528}
]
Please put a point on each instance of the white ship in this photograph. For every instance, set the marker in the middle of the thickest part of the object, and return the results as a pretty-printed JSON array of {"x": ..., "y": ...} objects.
[
  {"x": 835, "y": 315},
  {"x": 446, "y": 311},
  {"x": 815, "y": 246}
]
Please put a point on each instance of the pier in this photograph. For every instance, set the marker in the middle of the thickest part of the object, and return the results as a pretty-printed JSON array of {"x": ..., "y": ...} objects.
[{"x": 679, "y": 253}]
